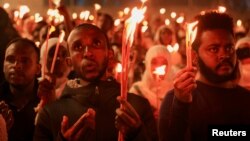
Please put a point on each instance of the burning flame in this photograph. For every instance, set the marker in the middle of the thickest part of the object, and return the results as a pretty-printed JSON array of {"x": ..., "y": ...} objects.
[
  {"x": 173, "y": 48},
  {"x": 23, "y": 10},
  {"x": 84, "y": 15},
  {"x": 97, "y": 6},
  {"x": 173, "y": 15},
  {"x": 137, "y": 16},
  {"x": 222, "y": 9},
  {"x": 162, "y": 11},
  {"x": 160, "y": 70},
  {"x": 6, "y": 5},
  {"x": 118, "y": 68},
  {"x": 191, "y": 32},
  {"x": 57, "y": 2}
]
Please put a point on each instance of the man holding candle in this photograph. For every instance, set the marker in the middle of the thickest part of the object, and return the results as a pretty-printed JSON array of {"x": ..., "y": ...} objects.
[
  {"x": 210, "y": 98},
  {"x": 88, "y": 108}
]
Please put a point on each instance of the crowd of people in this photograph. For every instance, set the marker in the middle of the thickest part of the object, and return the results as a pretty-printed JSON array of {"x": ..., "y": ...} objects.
[{"x": 79, "y": 97}]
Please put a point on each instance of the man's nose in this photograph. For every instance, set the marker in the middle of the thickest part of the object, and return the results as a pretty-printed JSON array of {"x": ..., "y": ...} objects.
[
  {"x": 87, "y": 52},
  {"x": 17, "y": 64},
  {"x": 224, "y": 53}
]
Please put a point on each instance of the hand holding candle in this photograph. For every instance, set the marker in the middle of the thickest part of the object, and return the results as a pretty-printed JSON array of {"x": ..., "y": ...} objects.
[
  {"x": 190, "y": 36},
  {"x": 61, "y": 36},
  {"x": 137, "y": 16},
  {"x": 50, "y": 30}
]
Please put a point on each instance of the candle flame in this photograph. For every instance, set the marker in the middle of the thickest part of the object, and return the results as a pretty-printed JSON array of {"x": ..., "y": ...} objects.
[
  {"x": 6, "y": 5},
  {"x": 23, "y": 10},
  {"x": 173, "y": 15},
  {"x": 97, "y": 6},
  {"x": 118, "y": 68},
  {"x": 161, "y": 70},
  {"x": 239, "y": 23},
  {"x": 173, "y": 48},
  {"x": 52, "y": 29},
  {"x": 180, "y": 19},
  {"x": 191, "y": 32},
  {"x": 56, "y": 2},
  {"x": 222, "y": 9},
  {"x": 167, "y": 22},
  {"x": 137, "y": 16},
  {"x": 62, "y": 34},
  {"x": 162, "y": 11}
]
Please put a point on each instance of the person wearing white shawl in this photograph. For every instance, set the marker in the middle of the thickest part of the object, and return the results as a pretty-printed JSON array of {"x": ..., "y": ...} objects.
[
  {"x": 153, "y": 87},
  {"x": 60, "y": 74},
  {"x": 243, "y": 54}
]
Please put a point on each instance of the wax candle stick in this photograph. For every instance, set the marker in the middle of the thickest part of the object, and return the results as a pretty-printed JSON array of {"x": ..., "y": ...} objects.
[{"x": 61, "y": 36}]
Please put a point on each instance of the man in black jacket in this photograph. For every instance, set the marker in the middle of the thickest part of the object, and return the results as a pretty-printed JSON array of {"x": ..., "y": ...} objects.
[
  {"x": 19, "y": 91},
  {"x": 208, "y": 104},
  {"x": 89, "y": 106}
]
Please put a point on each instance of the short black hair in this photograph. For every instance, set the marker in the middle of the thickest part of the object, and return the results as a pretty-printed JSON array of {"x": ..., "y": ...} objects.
[
  {"x": 91, "y": 26},
  {"x": 26, "y": 42},
  {"x": 212, "y": 20}
]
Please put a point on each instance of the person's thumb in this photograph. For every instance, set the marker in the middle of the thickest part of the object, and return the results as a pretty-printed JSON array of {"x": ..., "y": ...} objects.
[{"x": 64, "y": 124}]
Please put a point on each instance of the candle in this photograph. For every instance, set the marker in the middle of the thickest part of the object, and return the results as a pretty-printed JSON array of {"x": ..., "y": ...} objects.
[
  {"x": 190, "y": 36},
  {"x": 50, "y": 30},
  {"x": 61, "y": 36},
  {"x": 118, "y": 70},
  {"x": 137, "y": 16}
]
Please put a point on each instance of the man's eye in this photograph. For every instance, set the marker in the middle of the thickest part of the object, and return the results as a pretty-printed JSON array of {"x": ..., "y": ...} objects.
[
  {"x": 97, "y": 43},
  {"x": 213, "y": 49},
  {"x": 11, "y": 59},
  {"x": 78, "y": 47}
]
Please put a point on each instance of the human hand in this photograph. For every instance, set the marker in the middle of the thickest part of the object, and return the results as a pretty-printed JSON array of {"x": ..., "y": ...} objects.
[
  {"x": 80, "y": 128},
  {"x": 7, "y": 114},
  {"x": 127, "y": 119},
  {"x": 46, "y": 89},
  {"x": 184, "y": 84}
]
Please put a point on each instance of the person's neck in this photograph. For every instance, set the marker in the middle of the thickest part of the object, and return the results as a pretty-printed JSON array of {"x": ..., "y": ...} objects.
[
  {"x": 226, "y": 84},
  {"x": 21, "y": 96},
  {"x": 85, "y": 82}
]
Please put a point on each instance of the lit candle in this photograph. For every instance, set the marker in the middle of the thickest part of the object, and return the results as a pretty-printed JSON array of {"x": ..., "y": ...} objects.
[
  {"x": 190, "y": 36},
  {"x": 222, "y": 9},
  {"x": 137, "y": 16},
  {"x": 118, "y": 70},
  {"x": 61, "y": 36},
  {"x": 160, "y": 72},
  {"x": 50, "y": 30}
]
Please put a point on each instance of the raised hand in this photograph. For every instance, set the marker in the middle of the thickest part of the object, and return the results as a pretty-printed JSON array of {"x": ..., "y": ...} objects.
[
  {"x": 184, "y": 83},
  {"x": 81, "y": 129},
  {"x": 127, "y": 119},
  {"x": 7, "y": 114}
]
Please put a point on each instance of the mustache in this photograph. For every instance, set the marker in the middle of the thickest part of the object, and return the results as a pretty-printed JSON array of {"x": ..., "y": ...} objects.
[{"x": 223, "y": 62}]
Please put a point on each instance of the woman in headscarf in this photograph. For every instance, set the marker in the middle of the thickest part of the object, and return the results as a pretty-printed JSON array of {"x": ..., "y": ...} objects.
[{"x": 154, "y": 86}]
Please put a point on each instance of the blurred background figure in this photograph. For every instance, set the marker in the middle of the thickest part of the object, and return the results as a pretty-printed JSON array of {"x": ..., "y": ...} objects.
[
  {"x": 243, "y": 54},
  {"x": 152, "y": 86},
  {"x": 52, "y": 85},
  {"x": 164, "y": 36},
  {"x": 7, "y": 33}
]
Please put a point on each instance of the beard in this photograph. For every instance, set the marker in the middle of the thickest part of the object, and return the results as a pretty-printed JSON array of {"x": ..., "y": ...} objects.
[
  {"x": 211, "y": 76},
  {"x": 101, "y": 72}
]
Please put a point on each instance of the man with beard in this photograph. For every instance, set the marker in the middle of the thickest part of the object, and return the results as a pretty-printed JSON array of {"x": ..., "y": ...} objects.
[
  {"x": 19, "y": 91},
  {"x": 211, "y": 98},
  {"x": 88, "y": 108}
]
